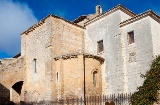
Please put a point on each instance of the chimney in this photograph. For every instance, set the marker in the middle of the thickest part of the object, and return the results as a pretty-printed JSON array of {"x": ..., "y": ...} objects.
[{"x": 98, "y": 10}]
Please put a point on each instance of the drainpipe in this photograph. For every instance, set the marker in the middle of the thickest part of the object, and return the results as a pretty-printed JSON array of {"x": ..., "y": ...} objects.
[{"x": 84, "y": 79}]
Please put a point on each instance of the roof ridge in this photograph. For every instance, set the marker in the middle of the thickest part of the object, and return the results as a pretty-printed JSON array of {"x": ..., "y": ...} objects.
[
  {"x": 73, "y": 21},
  {"x": 66, "y": 20},
  {"x": 43, "y": 21},
  {"x": 140, "y": 16},
  {"x": 36, "y": 25},
  {"x": 118, "y": 7}
]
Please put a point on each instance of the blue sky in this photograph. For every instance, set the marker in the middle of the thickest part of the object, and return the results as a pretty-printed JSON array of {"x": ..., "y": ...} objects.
[{"x": 16, "y": 16}]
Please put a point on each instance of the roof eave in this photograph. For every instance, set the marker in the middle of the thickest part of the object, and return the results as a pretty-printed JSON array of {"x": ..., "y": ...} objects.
[
  {"x": 118, "y": 7},
  {"x": 141, "y": 16},
  {"x": 43, "y": 21}
]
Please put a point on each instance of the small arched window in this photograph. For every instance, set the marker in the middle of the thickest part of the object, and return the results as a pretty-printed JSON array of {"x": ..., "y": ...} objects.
[
  {"x": 35, "y": 65},
  {"x": 95, "y": 78}
]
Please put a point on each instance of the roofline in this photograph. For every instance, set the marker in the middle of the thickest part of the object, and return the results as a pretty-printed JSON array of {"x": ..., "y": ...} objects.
[
  {"x": 118, "y": 7},
  {"x": 74, "y": 21},
  {"x": 17, "y": 55},
  {"x": 141, "y": 16},
  {"x": 43, "y": 21}
]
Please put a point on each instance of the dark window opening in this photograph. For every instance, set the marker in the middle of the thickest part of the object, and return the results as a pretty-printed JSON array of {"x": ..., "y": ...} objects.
[
  {"x": 130, "y": 37},
  {"x": 35, "y": 65},
  {"x": 95, "y": 78},
  {"x": 57, "y": 76},
  {"x": 100, "y": 46}
]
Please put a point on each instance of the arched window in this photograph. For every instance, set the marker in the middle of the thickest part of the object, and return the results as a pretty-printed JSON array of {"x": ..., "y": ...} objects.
[
  {"x": 35, "y": 65},
  {"x": 95, "y": 78}
]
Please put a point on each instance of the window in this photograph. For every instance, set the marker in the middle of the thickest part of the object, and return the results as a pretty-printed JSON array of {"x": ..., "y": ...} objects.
[
  {"x": 35, "y": 65},
  {"x": 57, "y": 76},
  {"x": 100, "y": 46},
  {"x": 130, "y": 37},
  {"x": 95, "y": 78}
]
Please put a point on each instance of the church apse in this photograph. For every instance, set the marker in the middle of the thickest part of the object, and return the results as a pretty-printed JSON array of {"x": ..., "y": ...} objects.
[{"x": 73, "y": 76}]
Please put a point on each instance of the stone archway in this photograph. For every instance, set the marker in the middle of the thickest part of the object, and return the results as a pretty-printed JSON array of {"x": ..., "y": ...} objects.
[{"x": 15, "y": 92}]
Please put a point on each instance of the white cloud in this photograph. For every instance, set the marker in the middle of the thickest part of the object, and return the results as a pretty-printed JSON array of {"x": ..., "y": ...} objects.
[{"x": 15, "y": 18}]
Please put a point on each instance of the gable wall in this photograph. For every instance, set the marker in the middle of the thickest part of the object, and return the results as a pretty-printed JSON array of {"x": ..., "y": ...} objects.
[
  {"x": 107, "y": 28},
  {"x": 66, "y": 38},
  {"x": 36, "y": 45},
  {"x": 142, "y": 49}
]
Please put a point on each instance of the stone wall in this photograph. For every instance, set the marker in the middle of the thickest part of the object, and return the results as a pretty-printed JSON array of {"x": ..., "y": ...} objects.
[
  {"x": 52, "y": 38},
  {"x": 11, "y": 72},
  {"x": 137, "y": 56},
  {"x": 37, "y": 55},
  {"x": 108, "y": 30},
  {"x": 124, "y": 62},
  {"x": 66, "y": 38},
  {"x": 93, "y": 65},
  {"x": 54, "y": 58},
  {"x": 68, "y": 76},
  {"x": 8, "y": 72},
  {"x": 155, "y": 31}
]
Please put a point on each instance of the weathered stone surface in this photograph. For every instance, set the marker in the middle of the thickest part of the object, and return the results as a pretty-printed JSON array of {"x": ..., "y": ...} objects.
[
  {"x": 11, "y": 72},
  {"x": 68, "y": 77},
  {"x": 55, "y": 53}
]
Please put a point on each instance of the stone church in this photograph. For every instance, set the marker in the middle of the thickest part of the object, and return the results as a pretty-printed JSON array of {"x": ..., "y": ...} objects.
[{"x": 95, "y": 54}]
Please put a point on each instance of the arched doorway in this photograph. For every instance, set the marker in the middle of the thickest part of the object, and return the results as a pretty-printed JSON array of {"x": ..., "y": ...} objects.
[{"x": 15, "y": 92}]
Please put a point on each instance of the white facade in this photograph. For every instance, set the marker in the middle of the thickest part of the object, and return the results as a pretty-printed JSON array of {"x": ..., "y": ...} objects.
[{"x": 124, "y": 62}]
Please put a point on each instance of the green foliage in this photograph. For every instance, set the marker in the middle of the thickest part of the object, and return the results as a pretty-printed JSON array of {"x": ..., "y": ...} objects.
[{"x": 147, "y": 93}]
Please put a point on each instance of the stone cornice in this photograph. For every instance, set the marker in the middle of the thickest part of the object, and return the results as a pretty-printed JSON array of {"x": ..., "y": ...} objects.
[
  {"x": 141, "y": 16},
  {"x": 67, "y": 56},
  {"x": 43, "y": 21},
  {"x": 118, "y": 7},
  {"x": 86, "y": 55},
  {"x": 75, "y": 55}
]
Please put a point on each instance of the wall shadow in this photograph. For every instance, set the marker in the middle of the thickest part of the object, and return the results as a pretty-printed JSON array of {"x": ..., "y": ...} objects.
[{"x": 4, "y": 95}]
